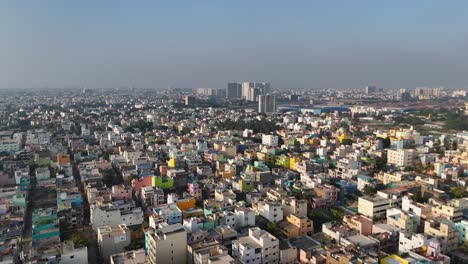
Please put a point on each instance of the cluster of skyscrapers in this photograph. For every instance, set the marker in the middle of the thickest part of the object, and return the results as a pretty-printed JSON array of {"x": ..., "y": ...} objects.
[
  {"x": 248, "y": 91},
  {"x": 254, "y": 92}
]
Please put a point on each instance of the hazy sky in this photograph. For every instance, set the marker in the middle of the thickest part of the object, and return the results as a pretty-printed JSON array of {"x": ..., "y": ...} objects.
[{"x": 318, "y": 44}]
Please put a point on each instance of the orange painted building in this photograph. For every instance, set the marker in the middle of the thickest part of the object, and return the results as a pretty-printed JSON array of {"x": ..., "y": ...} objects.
[
  {"x": 186, "y": 204},
  {"x": 226, "y": 174},
  {"x": 163, "y": 170},
  {"x": 304, "y": 224},
  {"x": 63, "y": 159}
]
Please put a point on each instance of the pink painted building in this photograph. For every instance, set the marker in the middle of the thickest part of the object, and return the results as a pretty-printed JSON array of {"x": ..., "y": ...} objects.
[
  {"x": 194, "y": 190},
  {"x": 120, "y": 192},
  {"x": 137, "y": 184},
  {"x": 6, "y": 179},
  {"x": 359, "y": 223}
]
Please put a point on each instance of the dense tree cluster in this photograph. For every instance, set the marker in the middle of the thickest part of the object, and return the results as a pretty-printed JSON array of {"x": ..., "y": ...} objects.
[
  {"x": 459, "y": 191},
  {"x": 410, "y": 120},
  {"x": 258, "y": 126},
  {"x": 456, "y": 122}
]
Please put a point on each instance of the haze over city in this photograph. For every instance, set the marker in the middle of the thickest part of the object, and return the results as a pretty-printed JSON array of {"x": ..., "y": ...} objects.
[
  {"x": 293, "y": 44},
  {"x": 233, "y": 132}
]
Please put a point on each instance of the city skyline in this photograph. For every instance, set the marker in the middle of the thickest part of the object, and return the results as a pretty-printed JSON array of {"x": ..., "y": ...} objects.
[{"x": 304, "y": 44}]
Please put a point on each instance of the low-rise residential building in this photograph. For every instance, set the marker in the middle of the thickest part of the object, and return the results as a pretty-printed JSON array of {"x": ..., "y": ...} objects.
[
  {"x": 258, "y": 247},
  {"x": 112, "y": 240},
  {"x": 130, "y": 257},
  {"x": 444, "y": 231},
  {"x": 272, "y": 211},
  {"x": 360, "y": 223},
  {"x": 166, "y": 244}
]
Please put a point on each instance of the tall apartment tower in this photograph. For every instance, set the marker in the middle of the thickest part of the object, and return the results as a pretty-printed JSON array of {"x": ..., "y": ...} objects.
[
  {"x": 189, "y": 100},
  {"x": 266, "y": 103},
  {"x": 251, "y": 90},
  {"x": 234, "y": 90},
  {"x": 403, "y": 95},
  {"x": 371, "y": 89},
  {"x": 167, "y": 244}
]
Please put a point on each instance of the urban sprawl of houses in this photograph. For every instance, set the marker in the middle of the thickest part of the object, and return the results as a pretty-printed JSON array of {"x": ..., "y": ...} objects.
[{"x": 245, "y": 174}]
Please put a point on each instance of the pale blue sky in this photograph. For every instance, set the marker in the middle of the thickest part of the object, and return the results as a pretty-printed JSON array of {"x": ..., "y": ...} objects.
[{"x": 154, "y": 44}]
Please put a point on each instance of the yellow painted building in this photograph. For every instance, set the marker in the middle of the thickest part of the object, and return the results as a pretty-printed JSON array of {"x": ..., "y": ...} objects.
[
  {"x": 226, "y": 174},
  {"x": 393, "y": 259},
  {"x": 293, "y": 161},
  {"x": 172, "y": 163},
  {"x": 186, "y": 204}
]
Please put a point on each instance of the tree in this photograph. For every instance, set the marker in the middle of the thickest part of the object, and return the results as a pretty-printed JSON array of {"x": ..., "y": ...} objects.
[
  {"x": 347, "y": 141},
  {"x": 274, "y": 229},
  {"x": 459, "y": 191},
  {"x": 369, "y": 190},
  {"x": 336, "y": 215},
  {"x": 318, "y": 218},
  {"x": 128, "y": 180},
  {"x": 134, "y": 245},
  {"x": 79, "y": 241},
  {"x": 110, "y": 178},
  {"x": 456, "y": 122},
  {"x": 418, "y": 198},
  {"x": 386, "y": 142}
]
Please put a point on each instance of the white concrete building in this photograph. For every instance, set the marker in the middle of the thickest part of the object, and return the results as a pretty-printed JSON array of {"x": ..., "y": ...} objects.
[
  {"x": 258, "y": 247},
  {"x": 247, "y": 250},
  {"x": 376, "y": 206},
  {"x": 152, "y": 196},
  {"x": 415, "y": 209},
  {"x": 270, "y": 140},
  {"x": 227, "y": 218},
  {"x": 244, "y": 217},
  {"x": 9, "y": 145},
  {"x": 272, "y": 211},
  {"x": 114, "y": 214},
  {"x": 193, "y": 225},
  {"x": 129, "y": 257},
  {"x": 400, "y": 157},
  {"x": 409, "y": 240},
  {"x": 167, "y": 244},
  {"x": 70, "y": 254},
  {"x": 218, "y": 255},
  {"x": 112, "y": 240},
  {"x": 293, "y": 206}
]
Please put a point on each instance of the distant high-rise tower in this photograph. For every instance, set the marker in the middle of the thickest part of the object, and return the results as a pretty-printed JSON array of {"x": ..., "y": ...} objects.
[
  {"x": 293, "y": 97},
  {"x": 251, "y": 90},
  {"x": 371, "y": 89},
  {"x": 266, "y": 103},
  {"x": 427, "y": 92},
  {"x": 403, "y": 95},
  {"x": 234, "y": 90},
  {"x": 189, "y": 100}
]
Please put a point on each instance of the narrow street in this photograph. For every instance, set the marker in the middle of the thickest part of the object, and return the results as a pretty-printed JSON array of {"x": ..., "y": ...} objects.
[
  {"x": 26, "y": 244},
  {"x": 86, "y": 232}
]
